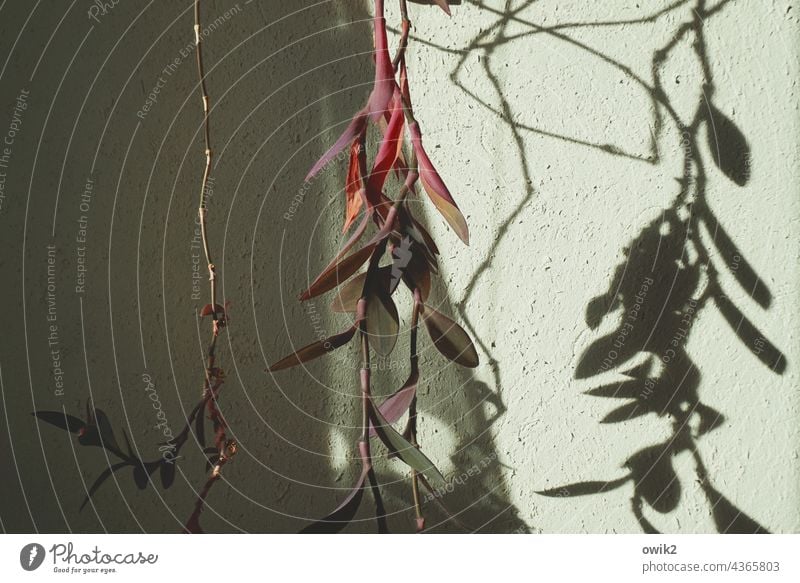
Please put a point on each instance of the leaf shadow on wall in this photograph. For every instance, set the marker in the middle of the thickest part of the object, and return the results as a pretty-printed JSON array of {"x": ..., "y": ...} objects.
[{"x": 668, "y": 275}]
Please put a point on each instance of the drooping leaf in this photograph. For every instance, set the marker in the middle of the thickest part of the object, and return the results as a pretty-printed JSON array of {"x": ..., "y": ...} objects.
[
  {"x": 430, "y": 244},
  {"x": 418, "y": 274},
  {"x": 450, "y": 338},
  {"x": 60, "y": 420},
  {"x": 315, "y": 350},
  {"x": 349, "y": 294},
  {"x": 354, "y": 197},
  {"x": 436, "y": 188},
  {"x": 346, "y": 299},
  {"x": 356, "y": 127},
  {"x": 389, "y": 149},
  {"x": 344, "y": 513},
  {"x": 584, "y": 488},
  {"x": 403, "y": 449},
  {"x": 384, "y": 71},
  {"x": 383, "y": 323},
  {"x": 729, "y": 147},
  {"x": 338, "y": 273},
  {"x": 100, "y": 479},
  {"x": 396, "y": 405}
]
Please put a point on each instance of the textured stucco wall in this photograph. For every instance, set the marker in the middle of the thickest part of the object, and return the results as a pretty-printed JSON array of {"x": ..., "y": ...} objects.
[{"x": 548, "y": 123}]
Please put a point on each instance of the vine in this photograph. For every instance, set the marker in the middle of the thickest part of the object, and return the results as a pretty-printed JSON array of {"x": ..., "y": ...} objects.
[{"x": 412, "y": 256}]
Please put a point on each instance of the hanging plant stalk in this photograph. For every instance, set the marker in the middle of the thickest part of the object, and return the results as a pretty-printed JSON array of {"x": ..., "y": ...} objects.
[{"x": 369, "y": 294}]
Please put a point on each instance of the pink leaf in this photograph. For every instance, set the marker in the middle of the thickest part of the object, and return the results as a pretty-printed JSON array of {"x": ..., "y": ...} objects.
[
  {"x": 389, "y": 150},
  {"x": 355, "y": 129},
  {"x": 436, "y": 188},
  {"x": 394, "y": 407},
  {"x": 384, "y": 72}
]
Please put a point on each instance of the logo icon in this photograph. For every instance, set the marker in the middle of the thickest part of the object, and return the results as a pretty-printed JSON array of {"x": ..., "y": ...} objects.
[
  {"x": 31, "y": 556},
  {"x": 401, "y": 257}
]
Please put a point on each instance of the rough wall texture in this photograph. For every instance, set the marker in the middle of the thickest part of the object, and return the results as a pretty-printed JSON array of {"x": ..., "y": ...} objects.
[{"x": 619, "y": 248}]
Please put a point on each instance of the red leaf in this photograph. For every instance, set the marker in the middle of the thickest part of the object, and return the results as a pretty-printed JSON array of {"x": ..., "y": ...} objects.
[
  {"x": 338, "y": 273},
  {"x": 353, "y": 187},
  {"x": 356, "y": 127},
  {"x": 436, "y": 188},
  {"x": 315, "y": 350},
  {"x": 384, "y": 72},
  {"x": 450, "y": 338},
  {"x": 443, "y": 5},
  {"x": 347, "y": 298},
  {"x": 349, "y": 294},
  {"x": 389, "y": 150}
]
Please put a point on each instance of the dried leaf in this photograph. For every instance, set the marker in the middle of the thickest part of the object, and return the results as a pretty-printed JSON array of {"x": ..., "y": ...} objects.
[
  {"x": 450, "y": 338},
  {"x": 353, "y": 189},
  {"x": 207, "y": 311}
]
